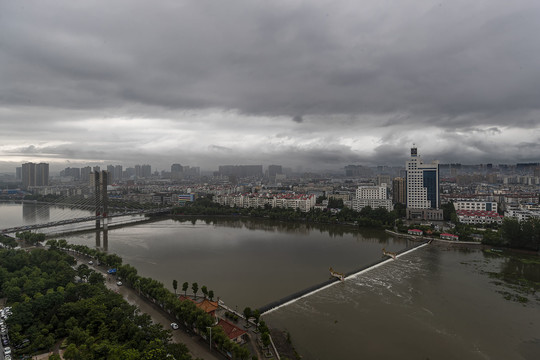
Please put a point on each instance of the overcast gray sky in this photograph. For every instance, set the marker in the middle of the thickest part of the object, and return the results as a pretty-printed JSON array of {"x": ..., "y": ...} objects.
[{"x": 317, "y": 84}]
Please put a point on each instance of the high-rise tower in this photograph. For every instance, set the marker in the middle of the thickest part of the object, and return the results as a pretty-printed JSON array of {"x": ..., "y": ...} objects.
[
  {"x": 422, "y": 187},
  {"x": 35, "y": 174}
]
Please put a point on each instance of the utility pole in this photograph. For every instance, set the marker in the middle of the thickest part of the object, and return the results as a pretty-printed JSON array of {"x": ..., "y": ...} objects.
[{"x": 210, "y": 328}]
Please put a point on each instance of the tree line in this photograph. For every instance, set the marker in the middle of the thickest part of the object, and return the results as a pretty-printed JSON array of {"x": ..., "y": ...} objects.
[
  {"x": 367, "y": 217},
  {"x": 515, "y": 234},
  {"x": 183, "y": 310},
  {"x": 93, "y": 322}
]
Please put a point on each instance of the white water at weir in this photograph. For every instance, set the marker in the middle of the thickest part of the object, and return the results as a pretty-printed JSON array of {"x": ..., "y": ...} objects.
[
  {"x": 435, "y": 303},
  {"x": 348, "y": 278}
]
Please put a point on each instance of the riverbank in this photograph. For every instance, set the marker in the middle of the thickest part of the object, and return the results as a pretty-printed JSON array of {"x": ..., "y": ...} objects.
[
  {"x": 460, "y": 244},
  {"x": 440, "y": 242}
]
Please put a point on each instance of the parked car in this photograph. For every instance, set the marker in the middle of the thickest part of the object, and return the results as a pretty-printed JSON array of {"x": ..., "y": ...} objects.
[
  {"x": 7, "y": 351},
  {"x": 174, "y": 326},
  {"x": 119, "y": 283}
]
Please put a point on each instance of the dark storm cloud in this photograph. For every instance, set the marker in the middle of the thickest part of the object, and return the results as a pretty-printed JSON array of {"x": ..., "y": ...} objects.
[
  {"x": 273, "y": 59},
  {"x": 384, "y": 71}
]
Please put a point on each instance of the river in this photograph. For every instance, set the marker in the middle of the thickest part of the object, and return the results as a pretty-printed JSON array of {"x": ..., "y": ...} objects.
[{"x": 432, "y": 303}]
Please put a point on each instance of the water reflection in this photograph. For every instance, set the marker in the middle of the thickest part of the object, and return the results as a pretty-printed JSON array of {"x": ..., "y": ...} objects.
[
  {"x": 333, "y": 231},
  {"x": 105, "y": 240},
  {"x": 35, "y": 213}
]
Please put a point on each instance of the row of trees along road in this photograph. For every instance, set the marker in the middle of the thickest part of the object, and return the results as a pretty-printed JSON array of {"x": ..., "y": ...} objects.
[
  {"x": 92, "y": 321},
  {"x": 184, "y": 311},
  {"x": 195, "y": 288}
]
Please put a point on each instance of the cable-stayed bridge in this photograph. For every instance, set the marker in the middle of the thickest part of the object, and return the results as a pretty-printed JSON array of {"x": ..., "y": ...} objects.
[
  {"x": 99, "y": 218},
  {"x": 88, "y": 203}
]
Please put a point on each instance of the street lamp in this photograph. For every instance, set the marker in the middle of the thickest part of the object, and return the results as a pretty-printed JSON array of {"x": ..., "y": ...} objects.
[{"x": 210, "y": 329}]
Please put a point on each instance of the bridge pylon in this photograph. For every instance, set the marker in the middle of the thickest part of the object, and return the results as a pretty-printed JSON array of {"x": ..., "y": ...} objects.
[{"x": 101, "y": 205}]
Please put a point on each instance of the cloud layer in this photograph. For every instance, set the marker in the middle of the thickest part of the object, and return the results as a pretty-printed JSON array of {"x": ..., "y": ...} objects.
[{"x": 315, "y": 84}]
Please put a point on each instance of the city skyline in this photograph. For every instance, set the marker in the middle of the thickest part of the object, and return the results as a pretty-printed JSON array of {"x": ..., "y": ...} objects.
[{"x": 300, "y": 84}]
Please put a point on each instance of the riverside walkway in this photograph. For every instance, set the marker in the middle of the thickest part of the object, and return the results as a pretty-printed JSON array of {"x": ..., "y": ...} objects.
[{"x": 331, "y": 282}]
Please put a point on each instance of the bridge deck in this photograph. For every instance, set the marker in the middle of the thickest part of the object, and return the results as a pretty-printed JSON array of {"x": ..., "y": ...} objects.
[{"x": 83, "y": 219}]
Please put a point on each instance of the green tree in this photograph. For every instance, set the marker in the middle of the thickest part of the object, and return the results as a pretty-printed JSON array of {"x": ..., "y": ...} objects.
[
  {"x": 179, "y": 351},
  {"x": 185, "y": 287},
  {"x": 449, "y": 212},
  {"x": 400, "y": 210},
  {"x": 211, "y": 295},
  {"x": 96, "y": 278},
  {"x": 195, "y": 288},
  {"x": 204, "y": 290},
  {"x": 511, "y": 231},
  {"x": 154, "y": 354},
  {"x": 175, "y": 286},
  {"x": 247, "y": 314},
  {"x": 265, "y": 338},
  {"x": 493, "y": 238},
  {"x": 72, "y": 353},
  {"x": 335, "y": 203},
  {"x": 257, "y": 316}
]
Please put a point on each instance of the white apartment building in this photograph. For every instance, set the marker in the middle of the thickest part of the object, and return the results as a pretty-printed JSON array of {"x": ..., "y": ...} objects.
[
  {"x": 472, "y": 204},
  {"x": 479, "y": 217},
  {"x": 372, "y": 196},
  {"x": 522, "y": 213},
  {"x": 286, "y": 200}
]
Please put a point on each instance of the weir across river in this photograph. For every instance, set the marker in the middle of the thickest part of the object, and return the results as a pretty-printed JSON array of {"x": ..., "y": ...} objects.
[{"x": 289, "y": 299}]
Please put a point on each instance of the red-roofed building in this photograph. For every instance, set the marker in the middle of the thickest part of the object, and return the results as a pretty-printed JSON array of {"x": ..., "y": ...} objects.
[
  {"x": 479, "y": 217},
  {"x": 452, "y": 237},
  {"x": 415, "y": 232},
  {"x": 233, "y": 332},
  {"x": 182, "y": 298},
  {"x": 208, "y": 306}
]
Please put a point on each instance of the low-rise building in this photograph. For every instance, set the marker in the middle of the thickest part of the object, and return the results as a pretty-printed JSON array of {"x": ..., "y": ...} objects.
[
  {"x": 479, "y": 217},
  {"x": 233, "y": 332},
  {"x": 415, "y": 232},
  {"x": 281, "y": 200},
  {"x": 523, "y": 213},
  {"x": 452, "y": 237},
  {"x": 474, "y": 204}
]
